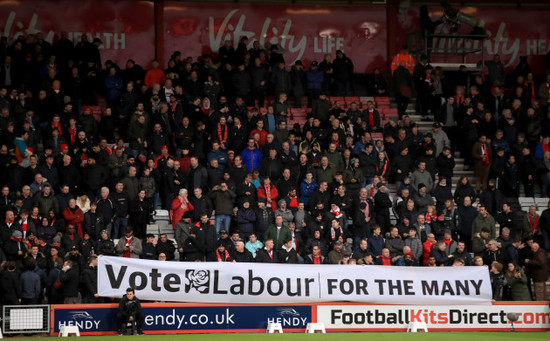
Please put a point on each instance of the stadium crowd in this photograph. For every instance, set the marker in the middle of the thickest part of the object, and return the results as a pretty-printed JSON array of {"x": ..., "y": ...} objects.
[{"x": 210, "y": 141}]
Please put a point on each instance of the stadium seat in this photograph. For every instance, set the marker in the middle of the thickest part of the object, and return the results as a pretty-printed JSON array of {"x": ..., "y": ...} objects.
[
  {"x": 65, "y": 331},
  {"x": 315, "y": 327},
  {"x": 416, "y": 326},
  {"x": 298, "y": 112},
  {"x": 377, "y": 136},
  {"x": 350, "y": 100},
  {"x": 386, "y": 113},
  {"x": 382, "y": 99},
  {"x": 273, "y": 327},
  {"x": 334, "y": 99}
]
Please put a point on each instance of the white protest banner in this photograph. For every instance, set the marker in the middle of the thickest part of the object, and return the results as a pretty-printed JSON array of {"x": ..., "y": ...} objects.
[{"x": 279, "y": 283}]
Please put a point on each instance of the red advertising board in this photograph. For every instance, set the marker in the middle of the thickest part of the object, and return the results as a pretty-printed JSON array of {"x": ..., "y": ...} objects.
[
  {"x": 305, "y": 32},
  {"x": 513, "y": 32},
  {"x": 125, "y": 27}
]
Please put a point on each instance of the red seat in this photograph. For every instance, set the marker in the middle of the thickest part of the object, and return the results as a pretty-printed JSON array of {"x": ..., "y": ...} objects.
[
  {"x": 389, "y": 112},
  {"x": 382, "y": 99},
  {"x": 350, "y": 100},
  {"x": 334, "y": 99},
  {"x": 377, "y": 136},
  {"x": 298, "y": 111}
]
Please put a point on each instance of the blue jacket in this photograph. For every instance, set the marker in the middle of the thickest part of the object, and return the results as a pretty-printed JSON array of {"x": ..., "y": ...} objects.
[
  {"x": 245, "y": 220},
  {"x": 252, "y": 159},
  {"x": 221, "y": 156},
  {"x": 306, "y": 190},
  {"x": 315, "y": 79},
  {"x": 375, "y": 244},
  {"x": 113, "y": 87},
  {"x": 539, "y": 152},
  {"x": 30, "y": 285},
  {"x": 496, "y": 144}
]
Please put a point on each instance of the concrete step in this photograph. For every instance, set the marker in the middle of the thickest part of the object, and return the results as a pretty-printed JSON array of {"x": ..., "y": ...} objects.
[{"x": 152, "y": 229}]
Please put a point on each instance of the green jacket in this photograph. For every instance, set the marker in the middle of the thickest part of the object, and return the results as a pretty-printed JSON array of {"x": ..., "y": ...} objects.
[
  {"x": 518, "y": 289},
  {"x": 271, "y": 233},
  {"x": 480, "y": 222}
]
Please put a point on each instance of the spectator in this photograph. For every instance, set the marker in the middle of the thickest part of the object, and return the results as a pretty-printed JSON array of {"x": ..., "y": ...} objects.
[
  {"x": 129, "y": 246},
  {"x": 166, "y": 246},
  {"x": 30, "y": 285},
  {"x": 517, "y": 283},
  {"x": 268, "y": 254},
  {"x": 129, "y": 310},
  {"x": 222, "y": 198},
  {"x": 70, "y": 280},
  {"x": 539, "y": 271}
]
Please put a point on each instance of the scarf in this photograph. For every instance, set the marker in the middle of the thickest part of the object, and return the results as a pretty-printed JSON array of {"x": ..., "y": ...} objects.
[
  {"x": 333, "y": 233},
  {"x": 58, "y": 126},
  {"x": 371, "y": 194},
  {"x": 367, "y": 209},
  {"x": 383, "y": 169},
  {"x": 386, "y": 260},
  {"x": 293, "y": 201},
  {"x": 430, "y": 217},
  {"x": 222, "y": 133},
  {"x": 531, "y": 90},
  {"x": 270, "y": 253},
  {"x": 225, "y": 256},
  {"x": 72, "y": 133},
  {"x": 337, "y": 213},
  {"x": 545, "y": 147},
  {"x": 316, "y": 259},
  {"x": 184, "y": 205},
  {"x": 533, "y": 222},
  {"x": 9, "y": 223},
  {"x": 128, "y": 242},
  {"x": 484, "y": 156},
  {"x": 267, "y": 195},
  {"x": 371, "y": 118},
  {"x": 459, "y": 99}
]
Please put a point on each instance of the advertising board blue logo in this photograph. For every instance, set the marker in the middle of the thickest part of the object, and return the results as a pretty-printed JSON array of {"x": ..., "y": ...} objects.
[{"x": 167, "y": 318}]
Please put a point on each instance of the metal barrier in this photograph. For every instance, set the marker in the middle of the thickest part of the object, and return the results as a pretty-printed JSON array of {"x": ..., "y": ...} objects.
[{"x": 26, "y": 319}]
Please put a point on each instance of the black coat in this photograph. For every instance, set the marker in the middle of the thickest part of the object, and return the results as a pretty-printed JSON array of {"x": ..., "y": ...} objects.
[
  {"x": 288, "y": 257},
  {"x": 264, "y": 218},
  {"x": 11, "y": 290},
  {"x": 71, "y": 282},
  {"x": 263, "y": 257},
  {"x": 89, "y": 282},
  {"x": 403, "y": 163},
  {"x": 193, "y": 249},
  {"x": 445, "y": 166},
  {"x": 242, "y": 257}
]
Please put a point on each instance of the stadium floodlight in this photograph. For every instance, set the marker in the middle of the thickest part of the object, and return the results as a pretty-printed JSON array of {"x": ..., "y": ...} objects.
[{"x": 454, "y": 18}]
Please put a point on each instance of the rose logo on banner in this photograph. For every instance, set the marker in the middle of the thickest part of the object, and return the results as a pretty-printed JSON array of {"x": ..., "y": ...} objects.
[{"x": 197, "y": 279}]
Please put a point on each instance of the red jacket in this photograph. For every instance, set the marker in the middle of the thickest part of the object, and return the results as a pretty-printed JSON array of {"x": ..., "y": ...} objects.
[
  {"x": 274, "y": 194},
  {"x": 426, "y": 249},
  {"x": 75, "y": 218},
  {"x": 263, "y": 135},
  {"x": 178, "y": 211}
]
